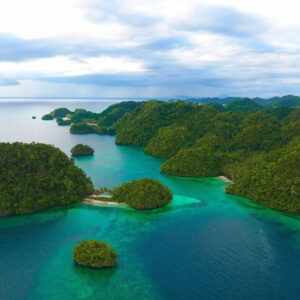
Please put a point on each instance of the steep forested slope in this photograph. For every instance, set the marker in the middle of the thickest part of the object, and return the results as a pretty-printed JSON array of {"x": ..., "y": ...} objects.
[{"x": 38, "y": 176}]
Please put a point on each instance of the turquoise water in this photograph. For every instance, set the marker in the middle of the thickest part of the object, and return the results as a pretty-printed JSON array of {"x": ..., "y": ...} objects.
[{"x": 205, "y": 245}]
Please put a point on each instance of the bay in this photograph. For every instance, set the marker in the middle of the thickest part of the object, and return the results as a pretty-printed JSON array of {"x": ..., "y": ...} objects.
[{"x": 205, "y": 245}]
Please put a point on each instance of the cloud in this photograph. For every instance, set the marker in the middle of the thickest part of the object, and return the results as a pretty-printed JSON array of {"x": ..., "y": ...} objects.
[
  {"x": 8, "y": 82},
  {"x": 68, "y": 66},
  {"x": 160, "y": 47}
]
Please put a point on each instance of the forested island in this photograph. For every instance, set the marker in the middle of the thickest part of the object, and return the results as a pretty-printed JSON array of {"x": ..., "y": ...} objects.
[
  {"x": 141, "y": 194},
  {"x": 257, "y": 146},
  {"x": 47, "y": 117},
  {"x": 38, "y": 176},
  {"x": 144, "y": 193},
  {"x": 82, "y": 150},
  {"x": 94, "y": 254},
  {"x": 63, "y": 122}
]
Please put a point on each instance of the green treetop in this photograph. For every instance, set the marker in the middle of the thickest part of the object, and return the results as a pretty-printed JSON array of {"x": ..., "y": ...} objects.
[
  {"x": 144, "y": 193},
  {"x": 94, "y": 254}
]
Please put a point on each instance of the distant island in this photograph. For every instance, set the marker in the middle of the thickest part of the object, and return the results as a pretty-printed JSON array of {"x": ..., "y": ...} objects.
[
  {"x": 34, "y": 177},
  {"x": 63, "y": 122},
  {"x": 47, "y": 117},
  {"x": 284, "y": 101},
  {"x": 255, "y": 144},
  {"x": 94, "y": 254},
  {"x": 82, "y": 150}
]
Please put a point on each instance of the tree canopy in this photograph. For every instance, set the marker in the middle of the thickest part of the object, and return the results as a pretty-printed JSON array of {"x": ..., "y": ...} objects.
[
  {"x": 60, "y": 112},
  {"x": 209, "y": 140},
  {"x": 82, "y": 150},
  {"x": 203, "y": 141},
  {"x": 144, "y": 193},
  {"x": 94, "y": 254},
  {"x": 47, "y": 117},
  {"x": 168, "y": 141},
  {"x": 62, "y": 122},
  {"x": 194, "y": 162},
  {"x": 271, "y": 179},
  {"x": 38, "y": 176},
  {"x": 245, "y": 105},
  {"x": 79, "y": 128}
]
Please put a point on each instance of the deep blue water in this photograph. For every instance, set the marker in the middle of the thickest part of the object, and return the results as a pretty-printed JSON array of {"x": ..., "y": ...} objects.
[{"x": 205, "y": 245}]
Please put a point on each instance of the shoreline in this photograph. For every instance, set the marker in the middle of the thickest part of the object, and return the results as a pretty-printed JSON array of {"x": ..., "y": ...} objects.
[
  {"x": 225, "y": 179},
  {"x": 102, "y": 203}
]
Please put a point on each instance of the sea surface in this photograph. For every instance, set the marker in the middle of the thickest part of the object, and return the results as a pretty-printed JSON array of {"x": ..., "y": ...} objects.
[{"x": 205, "y": 245}]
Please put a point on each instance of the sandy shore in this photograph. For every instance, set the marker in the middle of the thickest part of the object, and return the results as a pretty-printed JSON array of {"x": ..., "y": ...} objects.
[
  {"x": 102, "y": 203},
  {"x": 224, "y": 178}
]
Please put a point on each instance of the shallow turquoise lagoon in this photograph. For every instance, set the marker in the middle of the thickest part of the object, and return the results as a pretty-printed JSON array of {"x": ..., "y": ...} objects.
[{"x": 204, "y": 245}]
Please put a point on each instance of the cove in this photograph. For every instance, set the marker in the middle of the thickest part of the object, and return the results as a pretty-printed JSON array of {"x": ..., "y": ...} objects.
[{"x": 205, "y": 245}]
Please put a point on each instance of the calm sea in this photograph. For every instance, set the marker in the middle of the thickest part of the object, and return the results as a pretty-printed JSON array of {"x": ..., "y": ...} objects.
[{"x": 205, "y": 245}]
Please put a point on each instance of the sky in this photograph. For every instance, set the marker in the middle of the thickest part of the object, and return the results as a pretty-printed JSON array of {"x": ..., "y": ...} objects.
[{"x": 149, "y": 48}]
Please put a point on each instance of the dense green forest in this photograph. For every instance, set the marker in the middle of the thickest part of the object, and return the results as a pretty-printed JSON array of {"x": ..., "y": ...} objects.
[
  {"x": 94, "y": 254},
  {"x": 205, "y": 141},
  {"x": 47, "y": 117},
  {"x": 82, "y": 150},
  {"x": 104, "y": 119},
  {"x": 81, "y": 128},
  {"x": 284, "y": 101},
  {"x": 60, "y": 112},
  {"x": 211, "y": 140},
  {"x": 114, "y": 112},
  {"x": 38, "y": 176},
  {"x": 144, "y": 193},
  {"x": 63, "y": 122},
  {"x": 270, "y": 178}
]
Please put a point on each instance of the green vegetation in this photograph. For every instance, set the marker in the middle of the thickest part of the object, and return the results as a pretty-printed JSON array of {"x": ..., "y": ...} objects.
[
  {"x": 194, "y": 162},
  {"x": 106, "y": 118},
  {"x": 80, "y": 128},
  {"x": 271, "y": 179},
  {"x": 203, "y": 141},
  {"x": 279, "y": 112},
  {"x": 285, "y": 101},
  {"x": 60, "y": 112},
  {"x": 114, "y": 112},
  {"x": 258, "y": 132},
  {"x": 99, "y": 129},
  {"x": 82, "y": 150},
  {"x": 217, "y": 106},
  {"x": 246, "y": 105},
  {"x": 47, "y": 117},
  {"x": 168, "y": 141},
  {"x": 103, "y": 194},
  {"x": 138, "y": 127},
  {"x": 62, "y": 122},
  {"x": 145, "y": 193},
  {"x": 82, "y": 115},
  {"x": 211, "y": 140},
  {"x": 33, "y": 117},
  {"x": 94, "y": 254},
  {"x": 38, "y": 176},
  {"x": 103, "y": 191},
  {"x": 84, "y": 121}
]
